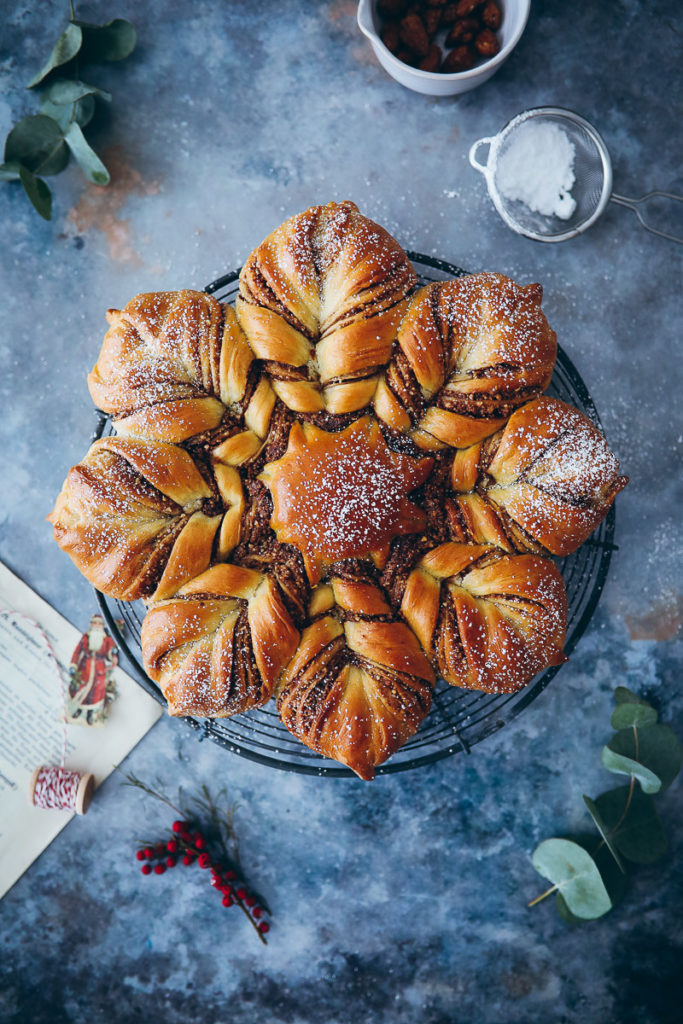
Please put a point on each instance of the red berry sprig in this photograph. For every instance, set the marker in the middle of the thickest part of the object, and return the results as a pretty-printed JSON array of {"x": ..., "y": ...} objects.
[{"x": 188, "y": 845}]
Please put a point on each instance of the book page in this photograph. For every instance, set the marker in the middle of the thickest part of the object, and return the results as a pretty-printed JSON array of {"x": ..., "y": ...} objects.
[{"x": 31, "y": 730}]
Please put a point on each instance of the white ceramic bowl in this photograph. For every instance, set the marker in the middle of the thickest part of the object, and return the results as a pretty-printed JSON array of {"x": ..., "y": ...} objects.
[{"x": 515, "y": 14}]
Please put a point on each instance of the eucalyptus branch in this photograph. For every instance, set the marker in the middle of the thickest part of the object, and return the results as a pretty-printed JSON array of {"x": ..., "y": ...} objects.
[
  {"x": 647, "y": 753},
  {"x": 42, "y": 144},
  {"x": 544, "y": 895}
]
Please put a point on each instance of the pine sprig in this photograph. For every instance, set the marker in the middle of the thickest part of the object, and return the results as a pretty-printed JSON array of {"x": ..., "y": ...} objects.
[
  {"x": 589, "y": 879},
  {"x": 204, "y": 833},
  {"x": 41, "y": 145}
]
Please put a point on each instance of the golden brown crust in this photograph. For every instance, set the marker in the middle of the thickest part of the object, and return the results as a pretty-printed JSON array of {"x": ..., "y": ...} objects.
[
  {"x": 157, "y": 369},
  {"x": 470, "y": 350},
  {"x": 136, "y": 516},
  {"x": 173, "y": 365},
  {"x": 223, "y": 517},
  {"x": 358, "y": 685},
  {"x": 343, "y": 495},
  {"x": 320, "y": 302},
  {"x": 544, "y": 484},
  {"x": 219, "y": 645},
  {"x": 489, "y": 621}
]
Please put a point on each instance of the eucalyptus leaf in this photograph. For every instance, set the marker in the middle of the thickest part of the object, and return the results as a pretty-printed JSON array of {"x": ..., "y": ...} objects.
[
  {"x": 64, "y": 50},
  {"x": 614, "y": 878},
  {"x": 658, "y": 749},
  {"x": 37, "y": 142},
  {"x": 81, "y": 112},
  {"x": 61, "y": 113},
  {"x": 87, "y": 158},
  {"x": 564, "y": 911},
  {"x": 572, "y": 869},
  {"x": 113, "y": 41},
  {"x": 55, "y": 162},
  {"x": 638, "y": 833},
  {"x": 626, "y": 715},
  {"x": 84, "y": 110},
  {"x": 68, "y": 90},
  {"x": 621, "y": 765},
  {"x": 37, "y": 191},
  {"x": 9, "y": 171},
  {"x": 604, "y": 830},
  {"x": 623, "y": 695}
]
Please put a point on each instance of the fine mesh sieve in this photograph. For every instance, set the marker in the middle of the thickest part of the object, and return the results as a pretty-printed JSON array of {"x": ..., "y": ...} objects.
[{"x": 592, "y": 188}]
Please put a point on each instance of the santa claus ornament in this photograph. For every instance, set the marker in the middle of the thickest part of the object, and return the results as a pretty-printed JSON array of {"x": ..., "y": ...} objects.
[{"x": 91, "y": 686}]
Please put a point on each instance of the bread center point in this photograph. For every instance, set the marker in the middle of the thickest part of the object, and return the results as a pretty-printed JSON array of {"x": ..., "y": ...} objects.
[{"x": 344, "y": 494}]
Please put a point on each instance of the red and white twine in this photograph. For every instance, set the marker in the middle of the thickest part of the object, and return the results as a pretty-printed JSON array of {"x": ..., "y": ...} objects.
[{"x": 56, "y": 787}]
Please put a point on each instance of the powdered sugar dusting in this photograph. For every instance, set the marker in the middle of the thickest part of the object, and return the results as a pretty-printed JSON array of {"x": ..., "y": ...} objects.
[
  {"x": 338, "y": 494},
  {"x": 493, "y": 320},
  {"x": 343, "y": 495},
  {"x": 559, "y": 450}
]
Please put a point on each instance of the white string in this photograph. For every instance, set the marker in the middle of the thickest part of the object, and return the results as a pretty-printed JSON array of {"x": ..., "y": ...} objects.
[{"x": 10, "y": 613}]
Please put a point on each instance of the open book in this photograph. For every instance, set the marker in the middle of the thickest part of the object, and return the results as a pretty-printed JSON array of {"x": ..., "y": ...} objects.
[{"x": 31, "y": 731}]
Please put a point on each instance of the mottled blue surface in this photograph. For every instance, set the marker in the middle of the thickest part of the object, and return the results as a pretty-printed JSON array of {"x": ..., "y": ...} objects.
[{"x": 405, "y": 900}]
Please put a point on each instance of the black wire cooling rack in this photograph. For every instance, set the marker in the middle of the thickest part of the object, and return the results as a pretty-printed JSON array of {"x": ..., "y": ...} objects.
[{"x": 459, "y": 718}]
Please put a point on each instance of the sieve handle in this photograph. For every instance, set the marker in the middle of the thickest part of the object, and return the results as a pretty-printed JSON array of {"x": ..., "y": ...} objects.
[
  {"x": 482, "y": 168},
  {"x": 635, "y": 204}
]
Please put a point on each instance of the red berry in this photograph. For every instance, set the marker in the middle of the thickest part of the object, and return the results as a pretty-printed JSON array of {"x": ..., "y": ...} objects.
[
  {"x": 188, "y": 859},
  {"x": 146, "y": 869},
  {"x": 186, "y": 837},
  {"x": 149, "y": 852},
  {"x": 161, "y": 849},
  {"x": 140, "y": 855},
  {"x": 216, "y": 882},
  {"x": 241, "y": 893},
  {"x": 179, "y": 826},
  {"x": 171, "y": 862},
  {"x": 250, "y": 901},
  {"x": 257, "y": 911},
  {"x": 230, "y": 876},
  {"x": 199, "y": 841},
  {"x": 227, "y": 890},
  {"x": 159, "y": 869},
  {"x": 171, "y": 846},
  {"x": 204, "y": 860},
  {"x": 264, "y": 927},
  {"x": 227, "y": 901}
]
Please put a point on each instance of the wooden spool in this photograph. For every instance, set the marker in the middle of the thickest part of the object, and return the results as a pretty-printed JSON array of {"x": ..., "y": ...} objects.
[{"x": 84, "y": 792}]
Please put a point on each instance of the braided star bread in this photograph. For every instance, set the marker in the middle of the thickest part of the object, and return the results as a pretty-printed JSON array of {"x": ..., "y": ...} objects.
[
  {"x": 469, "y": 352},
  {"x": 542, "y": 484},
  {"x": 137, "y": 517},
  {"x": 359, "y": 684},
  {"x": 320, "y": 302},
  {"x": 489, "y": 621},
  {"x": 337, "y": 491},
  {"x": 220, "y": 644}
]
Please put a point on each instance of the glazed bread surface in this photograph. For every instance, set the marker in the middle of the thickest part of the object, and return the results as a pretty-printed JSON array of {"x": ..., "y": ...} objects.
[
  {"x": 543, "y": 483},
  {"x": 469, "y": 351},
  {"x": 338, "y": 492}
]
